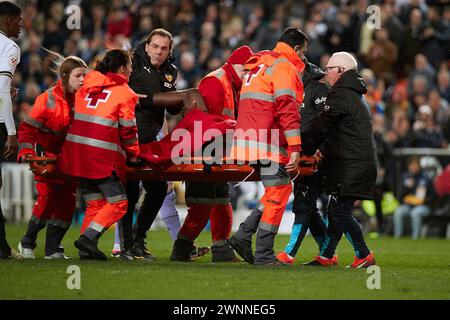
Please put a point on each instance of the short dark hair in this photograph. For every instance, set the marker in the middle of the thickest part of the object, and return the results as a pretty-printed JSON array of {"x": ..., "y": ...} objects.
[
  {"x": 10, "y": 9},
  {"x": 294, "y": 37}
]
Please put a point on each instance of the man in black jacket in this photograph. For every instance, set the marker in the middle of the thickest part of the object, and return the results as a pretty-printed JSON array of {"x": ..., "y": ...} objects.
[
  {"x": 350, "y": 170},
  {"x": 307, "y": 189},
  {"x": 153, "y": 79}
]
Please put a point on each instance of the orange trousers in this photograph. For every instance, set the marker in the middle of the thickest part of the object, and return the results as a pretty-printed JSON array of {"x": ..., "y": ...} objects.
[
  {"x": 106, "y": 203},
  {"x": 102, "y": 213},
  {"x": 275, "y": 200}
]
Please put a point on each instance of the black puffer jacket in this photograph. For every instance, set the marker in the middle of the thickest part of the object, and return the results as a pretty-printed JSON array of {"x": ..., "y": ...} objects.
[
  {"x": 313, "y": 103},
  {"x": 350, "y": 168},
  {"x": 145, "y": 79}
]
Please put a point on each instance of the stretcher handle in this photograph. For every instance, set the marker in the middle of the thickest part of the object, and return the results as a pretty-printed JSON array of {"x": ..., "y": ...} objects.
[{"x": 39, "y": 160}]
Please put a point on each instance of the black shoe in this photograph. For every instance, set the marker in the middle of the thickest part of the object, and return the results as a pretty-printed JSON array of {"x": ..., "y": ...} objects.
[
  {"x": 322, "y": 262},
  {"x": 223, "y": 253},
  {"x": 182, "y": 250},
  {"x": 89, "y": 246},
  {"x": 312, "y": 263},
  {"x": 87, "y": 258},
  {"x": 276, "y": 263},
  {"x": 141, "y": 250},
  {"x": 243, "y": 248},
  {"x": 130, "y": 255}
]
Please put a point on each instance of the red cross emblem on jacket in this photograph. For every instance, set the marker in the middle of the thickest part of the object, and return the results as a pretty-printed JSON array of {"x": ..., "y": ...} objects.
[{"x": 95, "y": 97}]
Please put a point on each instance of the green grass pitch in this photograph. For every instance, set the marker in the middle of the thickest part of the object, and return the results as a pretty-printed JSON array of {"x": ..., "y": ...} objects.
[{"x": 409, "y": 270}]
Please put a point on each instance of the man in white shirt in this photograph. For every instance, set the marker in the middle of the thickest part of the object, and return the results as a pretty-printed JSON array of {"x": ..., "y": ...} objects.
[{"x": 10, "y": 23}]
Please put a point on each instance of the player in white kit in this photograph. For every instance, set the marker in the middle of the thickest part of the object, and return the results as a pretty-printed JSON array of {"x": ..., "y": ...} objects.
[{"x": 10, "y": 24}]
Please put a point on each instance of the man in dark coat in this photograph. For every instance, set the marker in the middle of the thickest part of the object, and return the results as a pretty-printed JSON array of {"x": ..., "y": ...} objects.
[
  {"x": 350, "y": 171},
  {"x": 153, "y": 79},
  {"x": 307, "y": 189},
  {"x": 152, "y": 74}
]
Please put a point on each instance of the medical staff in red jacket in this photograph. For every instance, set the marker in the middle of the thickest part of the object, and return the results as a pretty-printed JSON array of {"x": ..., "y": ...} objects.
[
  {"x": 220, "y": 90},
  {"x": 268, "y": 135},
  {"x": 103, "y": 136},
  {"x": 45, "y": 129}
]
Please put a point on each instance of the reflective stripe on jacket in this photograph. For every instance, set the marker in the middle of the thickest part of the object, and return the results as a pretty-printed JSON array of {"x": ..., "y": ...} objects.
[
  {"x": 103, "y": 132},
  {"x": 46, "y": 124},
  {"x": 268, "y": 118},
  {"x": 229, "y": 105}
]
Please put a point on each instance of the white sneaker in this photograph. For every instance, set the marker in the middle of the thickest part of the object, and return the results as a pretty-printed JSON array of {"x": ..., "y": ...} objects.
[
  {"x": 57, "y": 256},
  {"x": 25, "y": 252}
]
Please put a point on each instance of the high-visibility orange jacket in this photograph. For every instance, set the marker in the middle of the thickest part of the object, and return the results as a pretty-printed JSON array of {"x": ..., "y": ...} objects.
[
  {"x": 103, "y": 132},
  {"x": 46, "y": 124},
  {"x": 220, "y": 90},
  {"x": 268, "y": 123}
]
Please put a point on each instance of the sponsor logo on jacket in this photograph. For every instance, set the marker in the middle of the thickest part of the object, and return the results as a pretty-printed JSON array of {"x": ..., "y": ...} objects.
[{"x": 320, "y": 100}]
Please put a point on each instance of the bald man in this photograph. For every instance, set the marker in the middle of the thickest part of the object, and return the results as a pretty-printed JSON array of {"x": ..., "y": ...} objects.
[{"x": 350, "y": 165}]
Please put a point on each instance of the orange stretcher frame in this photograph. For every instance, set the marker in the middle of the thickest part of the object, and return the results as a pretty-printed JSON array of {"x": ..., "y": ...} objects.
[{"x": 196, "y": 172}]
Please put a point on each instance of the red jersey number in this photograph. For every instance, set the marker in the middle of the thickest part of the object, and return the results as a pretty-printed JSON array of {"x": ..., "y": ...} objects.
[{"x": 252, "y": 74}]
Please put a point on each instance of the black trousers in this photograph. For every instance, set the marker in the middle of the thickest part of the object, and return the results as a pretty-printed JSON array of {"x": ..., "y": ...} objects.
[
  {"x": 341, "y": 221},
  {"x": 4, "y": 246},
  {"x": 306, "y": 192},
  {"x": 156, "y": 191}
]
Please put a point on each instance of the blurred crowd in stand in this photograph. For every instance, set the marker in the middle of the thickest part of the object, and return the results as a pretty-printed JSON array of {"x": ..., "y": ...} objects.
[{"x": 405, "y": 63}]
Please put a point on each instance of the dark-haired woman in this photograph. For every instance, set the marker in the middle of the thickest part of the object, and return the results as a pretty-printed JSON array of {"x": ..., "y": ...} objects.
[
  {"x": 103, "y": 136},
  {"x": 45, "y": 128}
]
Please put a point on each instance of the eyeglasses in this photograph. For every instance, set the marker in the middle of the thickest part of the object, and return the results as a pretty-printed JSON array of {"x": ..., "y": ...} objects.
[{"x": 327, "y": 69}]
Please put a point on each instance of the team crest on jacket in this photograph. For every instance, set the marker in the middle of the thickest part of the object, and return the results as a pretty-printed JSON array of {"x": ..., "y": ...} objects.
[{"x": 169, "y": 77}]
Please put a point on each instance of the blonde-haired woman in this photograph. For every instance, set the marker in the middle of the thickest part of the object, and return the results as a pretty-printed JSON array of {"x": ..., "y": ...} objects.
[{"x": 44, "y": 131}]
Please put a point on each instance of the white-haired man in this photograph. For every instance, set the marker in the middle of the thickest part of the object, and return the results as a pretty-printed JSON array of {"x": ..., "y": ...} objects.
[{"x": 350, "y": 162}]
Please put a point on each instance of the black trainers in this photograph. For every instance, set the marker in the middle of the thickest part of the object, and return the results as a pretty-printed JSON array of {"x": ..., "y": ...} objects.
[
  {"x": 320, "y": 261},
  {"x": 182, "y": 250},
  {"x": 83, "y": 255},
  {"x": 89, "y": 246},
  {"x": 87, "y": 258},
  {"x": 223, "y": 253},
  {"x": 131, "y": 255},
  {"x": 199, "y": 251},
  {"x": 140, "y": 249},
  {"x": 243, "y": 248}
]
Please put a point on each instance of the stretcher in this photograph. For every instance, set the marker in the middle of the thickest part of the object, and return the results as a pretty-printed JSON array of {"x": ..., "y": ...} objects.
[{"x": 193, "y": 171}]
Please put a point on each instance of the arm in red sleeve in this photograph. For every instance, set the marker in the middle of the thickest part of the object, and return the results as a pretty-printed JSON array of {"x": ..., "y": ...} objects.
[
  {"x": 26, "y": 140},
  {"x": 212, "y": 92}
]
